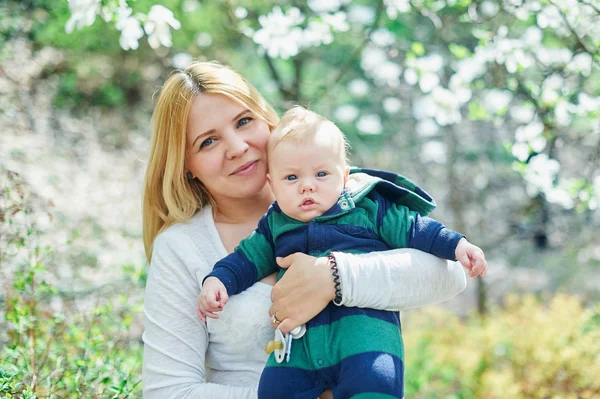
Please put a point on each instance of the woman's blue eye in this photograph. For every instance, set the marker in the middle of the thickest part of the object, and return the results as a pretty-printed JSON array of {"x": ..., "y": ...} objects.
[
  {"x": 291, "y": 177},
  {"x": 206, "y": 142},
  {"x": 244, "y": 121},
  {"x": 321, "y": 174}
]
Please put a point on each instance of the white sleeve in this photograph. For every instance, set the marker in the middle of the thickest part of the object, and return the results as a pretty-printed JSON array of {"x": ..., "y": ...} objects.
[
  {"x": 175, "y": 340},
  {"x": 398, "y": 279}
]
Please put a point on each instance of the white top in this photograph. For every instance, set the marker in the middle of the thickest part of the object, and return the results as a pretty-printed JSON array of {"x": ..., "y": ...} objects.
[{"x": 185, "y": 358}]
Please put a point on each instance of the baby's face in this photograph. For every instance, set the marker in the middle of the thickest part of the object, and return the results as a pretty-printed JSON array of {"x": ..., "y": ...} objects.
[{"x": 307, "y": 179}]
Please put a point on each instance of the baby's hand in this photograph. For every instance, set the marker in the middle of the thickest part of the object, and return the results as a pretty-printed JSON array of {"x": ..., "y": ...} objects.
[
  {"x": 212, "y": 298},
  {"x": 471, "y": 257}
]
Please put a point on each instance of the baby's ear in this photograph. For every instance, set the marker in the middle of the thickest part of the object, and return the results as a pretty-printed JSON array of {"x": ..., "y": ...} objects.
[
  {"x": 346, "y": 174},
  {"x": 269, "y": 178}
]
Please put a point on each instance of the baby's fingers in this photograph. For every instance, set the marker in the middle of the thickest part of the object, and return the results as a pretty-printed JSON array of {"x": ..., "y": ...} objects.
[
  {"x": 479, "y": 265},
  {"x": 465, "y": 262}
]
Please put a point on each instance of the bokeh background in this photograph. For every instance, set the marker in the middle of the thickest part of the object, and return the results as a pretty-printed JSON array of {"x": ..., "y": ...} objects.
[{"x": 492, "y": 106}]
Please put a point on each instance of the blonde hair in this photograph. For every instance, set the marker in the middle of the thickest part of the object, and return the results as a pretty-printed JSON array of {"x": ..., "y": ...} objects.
[
  {"x": 169, "y": 196},
  {"x": 301, "y": 125}
]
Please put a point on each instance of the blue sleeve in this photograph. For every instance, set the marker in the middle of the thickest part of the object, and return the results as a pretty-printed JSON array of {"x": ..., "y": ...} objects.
[
  {"x": 431, "y": 236},
  {"x": 251, "y": 261},
  {"x": 235, "y": 271},
  {"x": 401, "y": 227}
]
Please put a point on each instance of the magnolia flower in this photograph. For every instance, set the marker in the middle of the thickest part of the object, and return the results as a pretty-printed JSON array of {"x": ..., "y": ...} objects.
[
  {"x": 317, "y": 33},
  {"x": 369, "y": 124},
  {"x": 83, "y": 13},
  {"x": 157, "y": 28},
  {"x": 346, "y": 113},
  {"x": 395, "y": 7},
  {"x": 280, "y": 34},
  {"x": 323, "y": 6},
  {"x": 131, "y": 30},
  {"x": 337, "y": 21}
]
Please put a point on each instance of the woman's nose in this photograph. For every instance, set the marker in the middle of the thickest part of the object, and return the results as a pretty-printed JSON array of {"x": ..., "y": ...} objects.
[{"x": 236, "y": 147}]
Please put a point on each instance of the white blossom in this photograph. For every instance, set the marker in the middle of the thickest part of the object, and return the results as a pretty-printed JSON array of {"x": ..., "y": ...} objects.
[
  {"x": 372, "y": 57},
  {"x": 203, "y": 39},
  {"x": 427, "y": 127},
  {"x": 496, "y": 100},
  {"x": 428, "y": 81},
  {"x": 131, "y": 30},
  {"x": 434, "y": 151},
  {"x": 522, "y": 113},
  {"x": 461, "y": 88},
  {"x": 158, "y": 26},
  {"x": 383, "y": 37},
  {"x": 429, "y": 63},
  {"x": 520, "y": 151},
  {"x": 240, "y": 12},
  {"x": 190, "y": 5},
  {"x": 358, "y": 87},
  {"x": 561, "y": 56},
  {"x": 529, "y": 132},
  {"x": 395, "y": 7},
  {"x": 324, "y": 6},
  {"x": 411, "y": 76},
  {"x": 489, "y": 8},
  {"x": 392, "y": 105},
  {"x": 182, "y": 60},
  {"x": 317, "y": 33},
  {"x": 581, "y": 63},
  {"x": 369, "y": 124},
  {"x": 346, "y": 113},
  {"x": 280, "y": 34},
  {"x": 337, "y": 21},
  {"x": 561, "y": 197},
  {"x": 361, "y": 14},
  {"x": 440, "y": 105},
  {"x": 83, "y": 13},
  {"x": 587, "y": 103},
  {"x": 540, "y": 174}
]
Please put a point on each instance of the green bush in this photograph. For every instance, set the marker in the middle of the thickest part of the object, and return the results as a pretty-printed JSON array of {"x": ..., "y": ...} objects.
[
  {"x": 49, "y": 354},
  {"x": 527, "y": 350}
]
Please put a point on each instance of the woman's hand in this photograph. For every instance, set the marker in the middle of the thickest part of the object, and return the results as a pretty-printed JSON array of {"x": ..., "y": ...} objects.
[{"x": 304, "y": 290}]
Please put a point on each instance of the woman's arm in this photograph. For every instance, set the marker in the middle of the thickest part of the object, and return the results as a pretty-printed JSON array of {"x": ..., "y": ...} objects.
[
  {"x": 391, "y": 280},
  {"x": 397, "y": 280},
  {"x": 175, "y": 340}
]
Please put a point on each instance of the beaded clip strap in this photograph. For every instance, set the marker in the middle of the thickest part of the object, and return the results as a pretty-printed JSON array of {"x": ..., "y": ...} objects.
[{"x": 336, "y": 279}]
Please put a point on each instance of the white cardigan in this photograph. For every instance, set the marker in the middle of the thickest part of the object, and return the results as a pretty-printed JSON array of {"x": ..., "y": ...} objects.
[{"x": 185, "y": 358}]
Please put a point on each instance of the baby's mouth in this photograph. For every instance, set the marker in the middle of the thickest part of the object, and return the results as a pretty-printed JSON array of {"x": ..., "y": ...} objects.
[
  {"x": 308, "y": 201},
  {"x": 308, "y": 204}
]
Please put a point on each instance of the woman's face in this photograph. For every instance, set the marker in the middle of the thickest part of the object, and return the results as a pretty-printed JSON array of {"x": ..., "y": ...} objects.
[{"x": 226, "y": 147}]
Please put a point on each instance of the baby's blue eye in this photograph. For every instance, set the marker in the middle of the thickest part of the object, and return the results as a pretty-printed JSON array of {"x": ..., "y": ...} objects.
[
  {"x": 321, "y": 174},
  {"x": 291, "y": 177},
  {"x": 206, "y": 143}
]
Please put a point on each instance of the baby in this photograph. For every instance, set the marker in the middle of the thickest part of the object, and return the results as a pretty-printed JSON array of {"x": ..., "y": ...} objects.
[{"x": 323, "y": 206}]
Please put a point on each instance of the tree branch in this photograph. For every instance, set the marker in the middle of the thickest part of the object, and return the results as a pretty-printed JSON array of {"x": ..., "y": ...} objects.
[
  {"x": 355, "y": 53},
  {"x": 594, "y": 7},
  {"x": 286, "y": 93},
  {"x": 579, "y": 40}
]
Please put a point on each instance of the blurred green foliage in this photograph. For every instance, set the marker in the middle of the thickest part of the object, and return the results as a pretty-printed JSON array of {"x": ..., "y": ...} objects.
[{"x": 65, "y": 353}]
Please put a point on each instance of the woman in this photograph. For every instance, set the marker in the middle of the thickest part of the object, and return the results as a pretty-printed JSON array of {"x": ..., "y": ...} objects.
[{"x": 205, "y": 190}]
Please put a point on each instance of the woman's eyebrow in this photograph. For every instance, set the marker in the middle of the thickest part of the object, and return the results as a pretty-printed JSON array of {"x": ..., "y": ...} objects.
[
  {"x": 213, "y": 130},
  {"x": 240, "y": 114},
  {"x": 202, "y": 134}
]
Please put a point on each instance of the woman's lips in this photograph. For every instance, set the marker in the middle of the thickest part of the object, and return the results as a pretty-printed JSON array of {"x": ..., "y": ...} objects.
[{"x": 246, "y": 169}]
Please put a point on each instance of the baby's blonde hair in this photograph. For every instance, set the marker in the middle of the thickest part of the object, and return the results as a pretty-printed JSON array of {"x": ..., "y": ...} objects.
[{"x": 300, "y": 125}]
